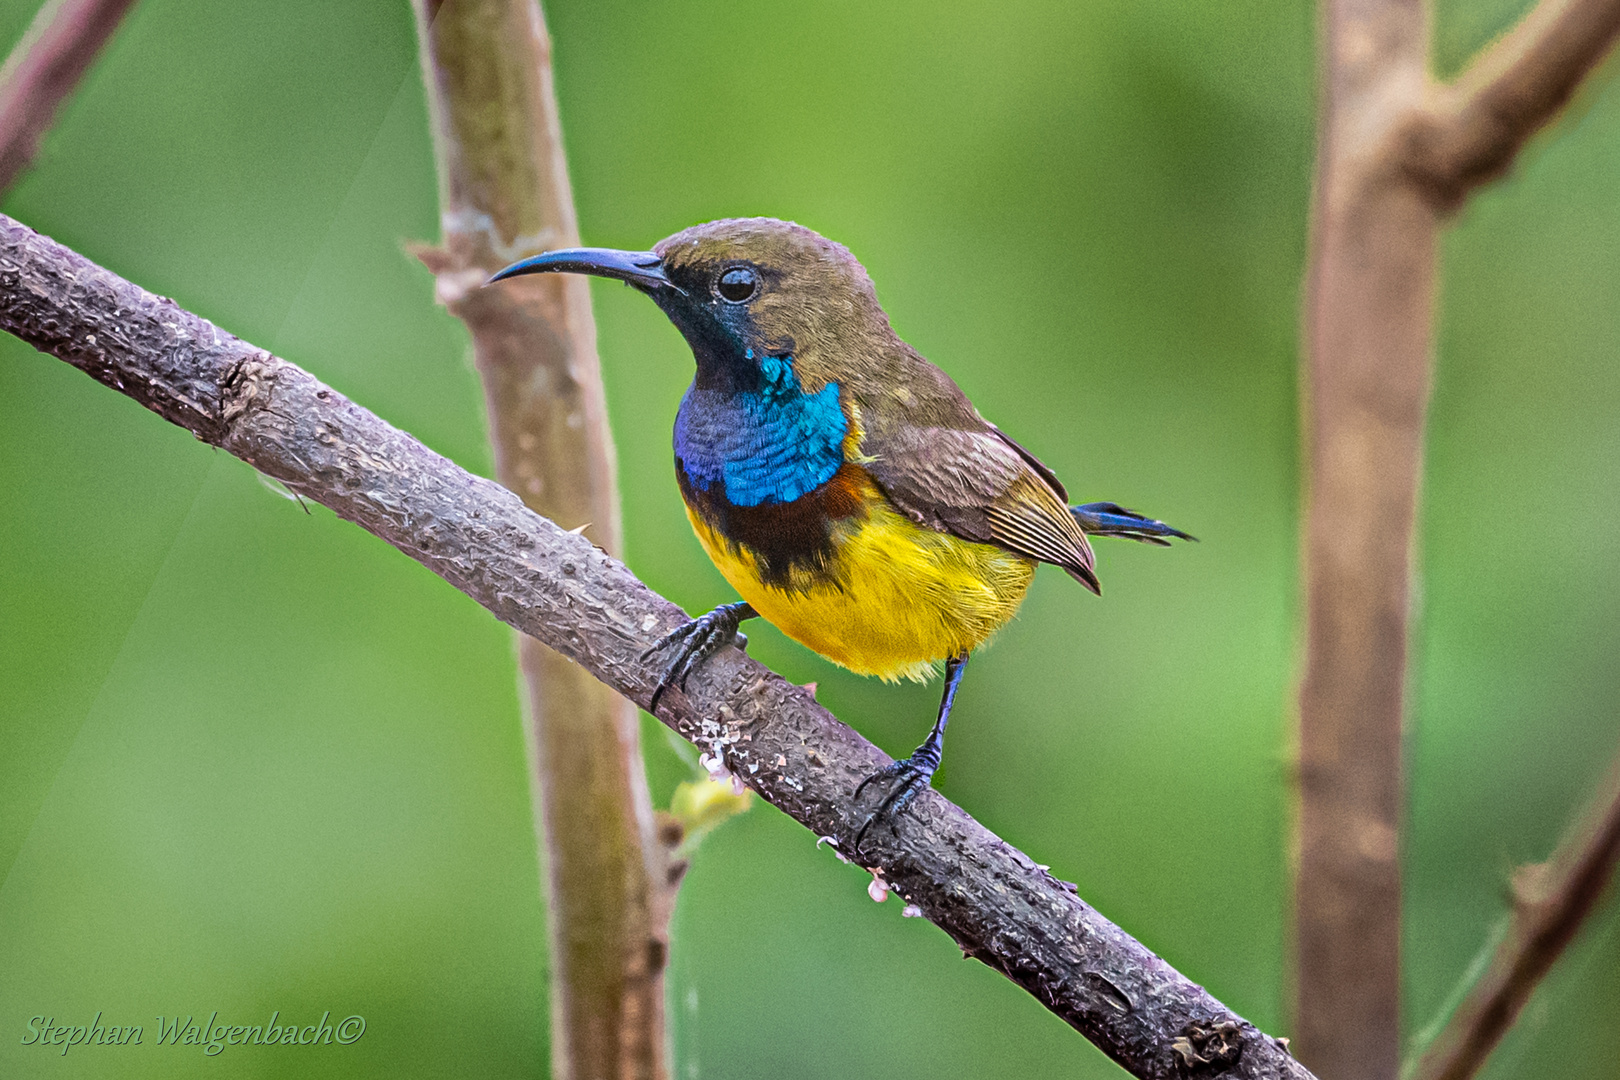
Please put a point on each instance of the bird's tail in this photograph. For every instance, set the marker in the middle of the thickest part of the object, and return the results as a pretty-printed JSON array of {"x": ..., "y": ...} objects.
[{"x": 1111, "y": 519}]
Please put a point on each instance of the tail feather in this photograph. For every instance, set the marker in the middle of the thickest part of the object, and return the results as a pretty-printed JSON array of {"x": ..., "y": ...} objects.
[{"x": 1111, "y": 519}]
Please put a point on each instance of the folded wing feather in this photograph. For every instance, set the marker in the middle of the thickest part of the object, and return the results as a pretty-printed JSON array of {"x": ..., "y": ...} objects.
[{"x": 981, "y": 486}]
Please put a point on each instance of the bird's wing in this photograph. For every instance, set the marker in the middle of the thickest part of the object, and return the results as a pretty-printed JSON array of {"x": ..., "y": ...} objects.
[{"x": 979, "y": 485}]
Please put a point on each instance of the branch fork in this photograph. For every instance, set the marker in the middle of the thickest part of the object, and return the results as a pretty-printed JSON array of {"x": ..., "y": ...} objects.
[{"x": 1468, "y": 132}]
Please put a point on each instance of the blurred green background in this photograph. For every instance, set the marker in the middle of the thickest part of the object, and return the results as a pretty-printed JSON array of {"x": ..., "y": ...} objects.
[{"x": 255, "y": 760}]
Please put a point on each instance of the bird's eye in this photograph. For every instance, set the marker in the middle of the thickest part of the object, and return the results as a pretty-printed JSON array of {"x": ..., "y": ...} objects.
[{"x": 738, "y": 284}]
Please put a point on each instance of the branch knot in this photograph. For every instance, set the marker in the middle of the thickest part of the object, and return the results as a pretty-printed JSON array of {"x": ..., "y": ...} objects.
[
  {"x": 1211, "y": 1048},
  {"x": 240, "y": 387}
]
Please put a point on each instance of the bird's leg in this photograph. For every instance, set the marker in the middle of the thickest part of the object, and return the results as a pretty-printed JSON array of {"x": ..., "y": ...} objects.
[
  {"x": 914, "y": 773},
  {"x": 698, "y": 640}
]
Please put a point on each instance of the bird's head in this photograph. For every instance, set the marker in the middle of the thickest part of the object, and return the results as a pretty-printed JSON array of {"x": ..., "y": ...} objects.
[{"x": 747, "y": 294}]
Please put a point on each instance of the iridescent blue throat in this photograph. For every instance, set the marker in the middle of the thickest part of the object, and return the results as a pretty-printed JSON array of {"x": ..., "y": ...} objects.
[{"x": 771, "y": 445}]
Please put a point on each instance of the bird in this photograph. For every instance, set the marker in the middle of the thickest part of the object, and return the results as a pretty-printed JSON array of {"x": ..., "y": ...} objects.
[{"x": 843, "y": 485}]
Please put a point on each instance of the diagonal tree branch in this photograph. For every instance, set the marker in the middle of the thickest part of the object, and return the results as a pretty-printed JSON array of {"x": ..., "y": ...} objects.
[
  {"x": 59, "y": 47},
  {"x": 1470, "y": 131},
  {"x": 503, "y": 193},
  {"x": 1551, "y": 902},
  {"x": 996, "y": 903}
]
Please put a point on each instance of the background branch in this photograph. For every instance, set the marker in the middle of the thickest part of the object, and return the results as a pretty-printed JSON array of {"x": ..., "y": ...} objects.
[
  {"x": 42, "y": 70},
  {"x": 996, "y": 903},
  {"x": 1396, "y": 153},
  {"x": 1552, "y": 900},
  {"x": 503, "y": 194},
  {"x": 1368, "y": 312},
  {"x": 1470, "y": 130}
]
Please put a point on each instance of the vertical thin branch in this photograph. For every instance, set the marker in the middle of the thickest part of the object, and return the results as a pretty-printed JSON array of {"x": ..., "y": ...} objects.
[
  {"x": 504, "y": 193},
  {"x": 1366, "y": 384},
  {"x": 59, "y": 47},
  {"x": 1551, "y": 902},
  {"x": 1397, "y": 153}
]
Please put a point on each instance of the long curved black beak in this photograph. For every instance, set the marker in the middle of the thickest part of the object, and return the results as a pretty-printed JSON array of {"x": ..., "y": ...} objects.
[{"x": 643, "y": 269}]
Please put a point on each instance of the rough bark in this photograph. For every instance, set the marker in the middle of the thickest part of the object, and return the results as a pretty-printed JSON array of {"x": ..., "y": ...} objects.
[
  {"x": 1551, "y": 902},
  {"x": 994, "y": 901},
  {"x": 504, "y": 193},
  {"x": 62, "y": 42}
]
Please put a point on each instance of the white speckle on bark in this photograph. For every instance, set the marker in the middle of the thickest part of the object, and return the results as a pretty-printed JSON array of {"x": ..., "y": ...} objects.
[{"x": 879, "y": 889}]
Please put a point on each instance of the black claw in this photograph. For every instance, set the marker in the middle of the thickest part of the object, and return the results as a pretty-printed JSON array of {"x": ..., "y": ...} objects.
[
  {"x": 917, "y": 771},
  {"x": 911, "y": 777},
  {"x": 699, "y": 639}
]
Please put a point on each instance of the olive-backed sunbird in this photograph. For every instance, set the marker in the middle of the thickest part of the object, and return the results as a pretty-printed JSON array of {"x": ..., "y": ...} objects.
[{"x": 844, "y": 485}]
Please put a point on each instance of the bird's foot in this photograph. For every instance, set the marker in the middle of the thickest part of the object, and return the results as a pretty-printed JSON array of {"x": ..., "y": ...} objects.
[
  {"x": 908, "y": 778},
  {"x": 698, "y": 640}
]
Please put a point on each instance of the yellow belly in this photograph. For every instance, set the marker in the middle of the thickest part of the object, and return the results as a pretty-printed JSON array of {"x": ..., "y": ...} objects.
[{"x": 901, "y": 598}]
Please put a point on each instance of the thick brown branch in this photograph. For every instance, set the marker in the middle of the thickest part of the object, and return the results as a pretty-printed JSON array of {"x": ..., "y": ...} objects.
[
  {"x": 998, "y": 905},
  {"x": 1396, "y": 153},
  {"x": 64, "y": 39},
  {"x": 1366, "y": 386},
  {"x": 1471, "y": 130},
  {"x": 1551, "y": 902},
  {"x": 503, "y": 192}
]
